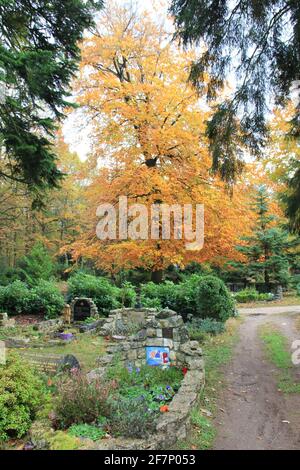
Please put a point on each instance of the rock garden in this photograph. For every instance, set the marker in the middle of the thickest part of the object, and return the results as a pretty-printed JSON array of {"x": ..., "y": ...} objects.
[{"x": 105, "y": 372}]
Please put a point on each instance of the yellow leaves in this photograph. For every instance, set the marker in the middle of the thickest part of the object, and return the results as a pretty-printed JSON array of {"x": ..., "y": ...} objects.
[{"x": 148, "y": 144}]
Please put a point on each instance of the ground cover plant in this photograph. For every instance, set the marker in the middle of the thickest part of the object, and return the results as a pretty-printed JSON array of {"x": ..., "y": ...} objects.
[
  {"x": 277, "y": 351},
  {"x": 218, "y": 350}
]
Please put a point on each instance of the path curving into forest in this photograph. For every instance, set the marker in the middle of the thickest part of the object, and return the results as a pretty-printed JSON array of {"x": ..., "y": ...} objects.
[{"x": 252, "y": 413}]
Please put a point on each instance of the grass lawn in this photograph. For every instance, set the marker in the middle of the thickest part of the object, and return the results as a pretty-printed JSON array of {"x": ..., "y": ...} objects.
[
  {"x": 218, "y": 352},
  {"x": 86, "y": 347},
  {"x": 277, "y": 351}
]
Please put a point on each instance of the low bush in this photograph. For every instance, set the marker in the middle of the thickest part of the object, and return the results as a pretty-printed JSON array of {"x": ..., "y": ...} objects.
[
  {"x": 140, "y": 393},
  {"x": 188, "y": 298},
  {"x": 251, "y": 295},
  {"x": 22, "y": 393},
  {"x": 16, "y": 298},
  {"x": 214, "y": 299},
  {"x": 47, "y": 300},
  {"x": 44, "y": 298},
  {"x": 131, "y": 418},
  {"x": 127, "y": 295},
  {"x": 62, "y": 441},
  {"x": 199, "y": 328},
  {"x": 152, "y": 376},
  {"x": 80, "y": 401},
  {"x": 160, "y": 295},
  {"x": 201, "y": 296},
  {"x": 103, "y": 293}
]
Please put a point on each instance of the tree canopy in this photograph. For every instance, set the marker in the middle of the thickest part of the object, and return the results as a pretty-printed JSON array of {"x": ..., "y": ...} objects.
[
  {"x": 147, "y": 129},
  {"x": 38, "y": 57},
  {"x": 269, "y": 252},
  {"x": 260, "y": 42}
]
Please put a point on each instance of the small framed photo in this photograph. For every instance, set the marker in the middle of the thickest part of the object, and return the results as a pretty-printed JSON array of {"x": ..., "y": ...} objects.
[{"x": 158, "y": 356}]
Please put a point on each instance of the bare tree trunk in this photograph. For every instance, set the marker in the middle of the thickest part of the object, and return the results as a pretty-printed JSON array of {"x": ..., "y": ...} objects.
[{"x": 157, "y": 276}]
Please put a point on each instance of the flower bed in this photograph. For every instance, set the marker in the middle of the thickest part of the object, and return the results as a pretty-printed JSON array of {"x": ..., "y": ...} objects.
[
  {"x": 129, "y": 408},
  {"x": 125, "y": 402}
]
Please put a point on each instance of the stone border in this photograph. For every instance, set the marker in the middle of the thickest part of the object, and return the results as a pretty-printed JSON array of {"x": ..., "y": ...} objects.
[
  {"x": 132, "y": 349},
  {"x": 171, "y": 426}
]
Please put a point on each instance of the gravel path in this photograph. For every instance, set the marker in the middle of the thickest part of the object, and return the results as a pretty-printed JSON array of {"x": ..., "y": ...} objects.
[{"x": 253, "y": 414}]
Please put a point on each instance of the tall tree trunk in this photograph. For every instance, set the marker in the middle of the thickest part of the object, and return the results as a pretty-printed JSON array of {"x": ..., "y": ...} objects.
[{"x": 157, "y": 276}]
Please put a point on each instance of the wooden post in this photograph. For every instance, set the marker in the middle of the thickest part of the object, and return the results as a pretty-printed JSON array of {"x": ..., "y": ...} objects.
[{"x": 67, "y": 314}]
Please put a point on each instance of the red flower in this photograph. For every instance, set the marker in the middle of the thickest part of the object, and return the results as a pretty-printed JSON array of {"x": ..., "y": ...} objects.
[
  {"x": 164, "y": 409},
  {"x": 184, "y": 370}
]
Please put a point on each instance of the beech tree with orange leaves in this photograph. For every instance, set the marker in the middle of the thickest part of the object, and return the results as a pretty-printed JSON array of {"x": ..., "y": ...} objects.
[{"x": 148, "y": 144}]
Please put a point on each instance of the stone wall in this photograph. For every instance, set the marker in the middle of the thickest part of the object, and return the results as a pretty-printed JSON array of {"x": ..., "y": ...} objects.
[
  {"x": 153, "y": 327},
  {"x": 164, "y": 328},
  {"x": 6, "y": 322},
  {"x": 93, "y": 310}
]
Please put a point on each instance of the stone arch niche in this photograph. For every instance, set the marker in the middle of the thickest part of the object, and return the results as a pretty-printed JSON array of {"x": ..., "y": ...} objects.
[{"x": 82, "y": 308}]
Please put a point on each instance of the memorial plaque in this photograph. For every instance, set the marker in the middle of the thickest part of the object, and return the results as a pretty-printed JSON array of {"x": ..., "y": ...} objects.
[
  {"x": 167, "y": 333},
  {"x": 82, "y": 310},
  {"x": 157, "y": 356}
]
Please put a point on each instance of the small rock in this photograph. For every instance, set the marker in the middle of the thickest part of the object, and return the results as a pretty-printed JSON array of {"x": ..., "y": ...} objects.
[
  {"x": 95, "y": 374},
  {"x": 68, "y": 362},
  {"x": 17, "y": 342},
  {"x": 165, "y": 313}
]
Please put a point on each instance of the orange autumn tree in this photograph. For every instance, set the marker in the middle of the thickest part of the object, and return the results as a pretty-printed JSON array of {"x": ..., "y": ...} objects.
[{"x": 148, "y": 144}]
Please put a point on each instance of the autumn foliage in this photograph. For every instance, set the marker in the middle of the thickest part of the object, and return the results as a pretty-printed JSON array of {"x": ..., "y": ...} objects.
[{"x": 148, "y": 143}]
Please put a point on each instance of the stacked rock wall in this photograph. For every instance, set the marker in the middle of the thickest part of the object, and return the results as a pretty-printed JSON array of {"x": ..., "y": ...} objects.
[{"x": 165, "y": 328}]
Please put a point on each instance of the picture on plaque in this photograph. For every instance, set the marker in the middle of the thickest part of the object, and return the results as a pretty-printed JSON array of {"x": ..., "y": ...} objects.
[{"x": 157, "y": 356}]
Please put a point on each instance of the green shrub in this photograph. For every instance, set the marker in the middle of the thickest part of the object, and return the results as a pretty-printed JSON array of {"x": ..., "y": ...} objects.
[
  {"x": 16, "y": 298},
  {"x": 203, "y": 296},
  {"x": 152, "y": 376},
  {"x": 188, "y": 299},
  {"x": 62, "y": 441},
  {"x": 214, "y": 299},
  {"x": 265, "y": 297},
  {"x": 298, "y": 289},
  {"x": 151, "y": 303},
  {"x": 199, "y": 328},
  {"x": 127, "y": 295},
  {"x": 251, "y": 295},
  {"x": 47, "y": 300},
  {"x": 8, "y": 275},
  {"x": 36, "y": 266},
  {"x": 87, "y": 430},
  {"x": 103, "y": 293},
  {"x": 80, "y": 401},
  {"x": 160, "y": 295},
  {"x": 21, "y": 395},
  {"x": 131, "y": 418}
]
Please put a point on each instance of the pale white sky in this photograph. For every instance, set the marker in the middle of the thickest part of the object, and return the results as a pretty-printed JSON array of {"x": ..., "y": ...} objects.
[{"x": 78, "y": 141}]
